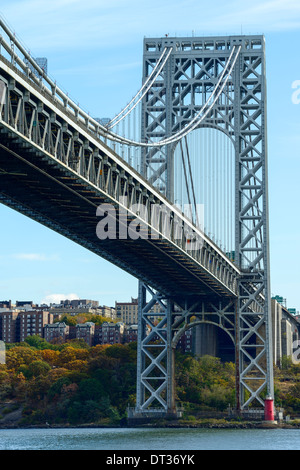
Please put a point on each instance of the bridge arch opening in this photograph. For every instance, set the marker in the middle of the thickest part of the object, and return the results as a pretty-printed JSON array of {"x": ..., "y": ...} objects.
[
  {"x": 212, "y": 356},
  {"x": 204, "y": 173},
  {"x": 204, "y": 338}
]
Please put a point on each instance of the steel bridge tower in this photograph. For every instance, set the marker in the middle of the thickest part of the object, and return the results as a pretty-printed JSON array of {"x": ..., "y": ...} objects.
[{"x": 186, "y": 82}]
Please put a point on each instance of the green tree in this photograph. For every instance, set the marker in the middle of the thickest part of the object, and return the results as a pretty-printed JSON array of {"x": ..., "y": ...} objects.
[
  {"x": 37, "y": 368},
  {"x": 90, "y": 389},
  {"x": 37, "y": 342},
  {"x": 55, "y": 389},
  {"x": 122, "y": 352}
]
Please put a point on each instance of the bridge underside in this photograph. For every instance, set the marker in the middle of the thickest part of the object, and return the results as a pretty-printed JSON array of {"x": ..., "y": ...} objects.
[{"x": 35, "y": 184}]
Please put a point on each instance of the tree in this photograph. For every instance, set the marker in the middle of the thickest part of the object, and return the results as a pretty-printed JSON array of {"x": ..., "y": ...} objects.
[
  {"x": 56, "y": 387},
  {"x": 50, "y": 356},
  {"x": 122, "y": 352},
  {"x": 37, "y": 368},
  {"x": 20, "y": 355},
  {"x": 70, "y": 354},
  {"x": 90, "y": 389},
  {"x": 77, "y": 365},
  {"x": 37, "y": 342}
]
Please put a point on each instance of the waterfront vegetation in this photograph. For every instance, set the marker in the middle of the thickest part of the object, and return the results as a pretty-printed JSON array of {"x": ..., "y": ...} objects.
[{"x": 74, "y": 384}]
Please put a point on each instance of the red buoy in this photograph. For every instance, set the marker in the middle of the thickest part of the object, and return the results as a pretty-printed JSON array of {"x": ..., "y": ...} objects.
[{"x": 269, "y": 409}]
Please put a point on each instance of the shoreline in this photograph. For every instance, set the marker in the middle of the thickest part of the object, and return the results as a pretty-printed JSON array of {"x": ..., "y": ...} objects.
[{"x": 206, "y": 425}]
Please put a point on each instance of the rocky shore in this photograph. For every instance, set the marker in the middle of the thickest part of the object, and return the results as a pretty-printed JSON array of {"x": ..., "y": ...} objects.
[
  {"x": 13, "y": 419},
  {"x": 204, "y": 425}
]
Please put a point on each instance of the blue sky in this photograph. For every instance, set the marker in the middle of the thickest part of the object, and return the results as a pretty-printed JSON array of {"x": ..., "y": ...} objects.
[{"x": 94, "y": 51}]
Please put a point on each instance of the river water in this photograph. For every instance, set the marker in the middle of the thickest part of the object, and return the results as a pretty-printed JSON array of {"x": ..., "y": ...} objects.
[{"x": 149, "y": 439}]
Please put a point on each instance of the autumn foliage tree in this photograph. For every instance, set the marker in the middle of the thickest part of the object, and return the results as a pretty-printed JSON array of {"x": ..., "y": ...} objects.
[
  {"x": 77, "y": 384},
  {"x": 68, "y": 383}
]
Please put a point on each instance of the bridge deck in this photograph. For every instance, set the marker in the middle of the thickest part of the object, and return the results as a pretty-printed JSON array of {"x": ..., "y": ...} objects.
[
  {"x": 40, "y": 178},
  {"x": 51, "y": 194}
]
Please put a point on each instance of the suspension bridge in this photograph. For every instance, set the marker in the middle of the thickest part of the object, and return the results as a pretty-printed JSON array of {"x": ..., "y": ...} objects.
[{"x": 173, "y": 190}]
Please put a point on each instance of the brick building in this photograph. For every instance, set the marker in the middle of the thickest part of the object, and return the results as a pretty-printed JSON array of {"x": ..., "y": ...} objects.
[
  {"x": 9, "y": 326},
  {"x": 131, "y": 334},
  {"x": 185, "y": 343},
  {"x": 86, "y": 331},
  {"x": 56, "y": 332},
  {"x": 109, "y": 333},
  {"x": 6, "y": 304},
  {"x": 32, "y": 322},
  {"x": 16, "y": 325}
]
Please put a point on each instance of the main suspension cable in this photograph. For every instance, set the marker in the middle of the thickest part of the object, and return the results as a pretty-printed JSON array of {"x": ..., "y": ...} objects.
[
  {"x": 196, "y": 120},
  {"x": 92, "y": 124},
  {"x": 112, "y": 124},
  {"x": 191, "y": 126}
]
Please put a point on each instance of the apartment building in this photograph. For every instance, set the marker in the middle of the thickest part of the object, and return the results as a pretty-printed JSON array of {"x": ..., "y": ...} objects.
[
  {"x": 6, "y": 304},
  {"x": 285, "y": 331},
  {"x": 104, "y": 311},
  {"x": 109, "y": 333},
  {"x": 185, "y": 343},
  {"x": 131, "y": 334},
  {"x": 16, "y": 325},
  {"x": 127, "y": 312},
  {"x": 79, "y": 303},
  {"x": 25, "y": 304},
  {"x": 32, "y": 322},
  {"x": 9, "y": 326},
  {"x": 86, "y": 331},
  {"x": 107, "y": 312},
  {"x": 56, "y": 332}
]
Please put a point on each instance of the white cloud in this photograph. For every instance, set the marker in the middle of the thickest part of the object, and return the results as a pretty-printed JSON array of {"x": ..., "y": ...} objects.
[{"x": 56, "y": 298}]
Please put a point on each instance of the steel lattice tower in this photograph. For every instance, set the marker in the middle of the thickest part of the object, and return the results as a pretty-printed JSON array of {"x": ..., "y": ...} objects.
[{"x": 187, "y": 80}]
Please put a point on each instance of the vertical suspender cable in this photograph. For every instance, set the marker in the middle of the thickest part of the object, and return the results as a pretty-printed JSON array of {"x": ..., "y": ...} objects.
[
  {"x": 212, "y": 187},
  {"x": 185, "y": 175},
  {"x": 192, "y": 181},
  {"x": 206, "y": 180}
]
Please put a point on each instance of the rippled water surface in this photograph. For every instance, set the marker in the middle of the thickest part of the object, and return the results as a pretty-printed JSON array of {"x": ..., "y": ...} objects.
[{"x": 149, "y": 439}]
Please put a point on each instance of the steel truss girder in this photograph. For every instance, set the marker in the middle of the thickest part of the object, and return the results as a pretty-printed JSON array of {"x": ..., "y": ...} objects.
[
  {"x": 159, "y": 333},
  {"x": 252, "y": 228},
  {"x": 154, "y": 367},
  {"x": 254, "y": 342}
]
